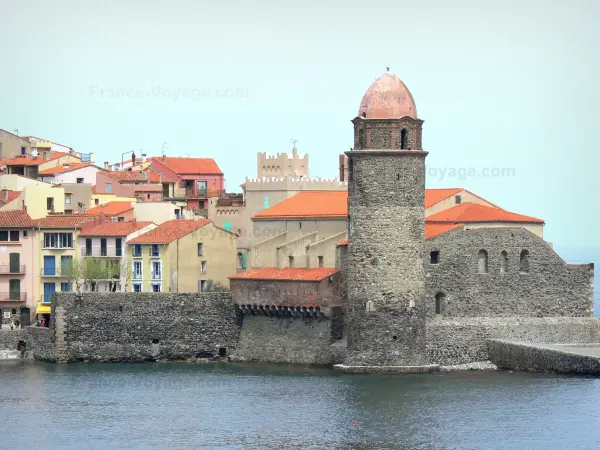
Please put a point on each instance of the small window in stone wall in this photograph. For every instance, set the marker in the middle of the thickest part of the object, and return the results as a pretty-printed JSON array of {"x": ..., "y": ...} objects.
[
  {"x": 321, "y": 264},
  {"x": 435, "y": 257},
  {"x": 439, "y": 299},
  {"x": 457, "y": 199},
  {"x": 291, "y": 261},
  {"x": 503, "y": 262},
  {"x": 483, "y": 261},
  {"x": 403, "y": 139},
  {"x": 524, "y": 261}
]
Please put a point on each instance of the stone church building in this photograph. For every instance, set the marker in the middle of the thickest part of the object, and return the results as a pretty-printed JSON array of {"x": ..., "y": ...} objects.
[{"x": 390, "y": 275}]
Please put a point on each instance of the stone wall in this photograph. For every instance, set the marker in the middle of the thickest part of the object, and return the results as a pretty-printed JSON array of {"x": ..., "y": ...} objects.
[
  {"x": 128, "y": 327},
  {"x": 10, "y": 338},
  {"x": 463, "y": 340},
  {"x": 527, "y": 357},
  {"x": 550, "y": 288},
  {"x": 293, "y": 340},
  {"x": 41, "y": 340}
]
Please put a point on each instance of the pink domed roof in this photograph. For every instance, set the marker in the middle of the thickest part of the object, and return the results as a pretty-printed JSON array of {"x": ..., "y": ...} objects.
[{"x": 387, "y": 98}]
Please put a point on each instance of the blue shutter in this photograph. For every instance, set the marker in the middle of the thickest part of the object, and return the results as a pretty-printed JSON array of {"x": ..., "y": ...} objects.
[
  {"x": 49, "y": 265},
  {"x": 49, "y": 289}
]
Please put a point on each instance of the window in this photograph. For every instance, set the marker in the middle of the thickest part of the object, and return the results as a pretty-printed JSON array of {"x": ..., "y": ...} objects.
[
  {"x": 299, "y": 225},
  {"x": 68, "y": 211},
  {"x": 58, "y": 240},
  {"x": 155, "y": 287},
  {"x": 137, "y": 250},
  {"x": 23, "y": 150},
  {"x": 156, "y": 270},
  {"x": 68, "y": 199},
  {"x": 96, "y": 201},
  {"x": 137, "y": 287},
  {"x": 66, "y": 287},
  {"x": 457, "y": 199},
  {"x": 14, "y": 236},
  {"x": 503, "y": 262},
  {"x": 203, "y": 267},
  {"x": 15, "y": 263},
  {"x": 227, "y": 226},
  {"x": 3, "y": 235},
  {"x": 524, "y": 261},
  {"x": 435, "y": 257},
  {"x": 50, "y": 203},
  {"x": 108, "y": 188},
  {"x": 121, "y": 219},
  {"x": 118, "y": 247},
  {"x": 291, "y": 261},
  {"x": 266, "y": 205},
  {"x": 201, "y": 285},
  {"x": 154, "y": 250},
  {"x": 240, "y": 259},
  {"x": 49, "y": 265},
  {"x": 103, "y": 249},
  {"x": 439, "y": 299},
  {"x": 403, "y": 139},
  {"x": 320, "y": 257},
  {"x": 137, "y": 270},
  {"x": 148, "y": 196},
  {"x": 200, "y": 249},
  {"x": 79, "y": 180},
  {"x": 66, "y": 264},
  {"x": 14, "y": 289},
  {"x": 88, "y": 247},
  {"x": 483, "y": 261},
  {"x": 24, "y": 233}
]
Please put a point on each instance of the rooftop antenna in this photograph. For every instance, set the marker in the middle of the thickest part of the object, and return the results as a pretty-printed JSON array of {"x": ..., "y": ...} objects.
[
  {"x": 387, "y": 68},
  {"x": 16, "y": 131},
  {"x": 294, "y": 144}
]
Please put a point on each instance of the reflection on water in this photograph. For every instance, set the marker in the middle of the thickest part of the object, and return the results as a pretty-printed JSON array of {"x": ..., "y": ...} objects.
[{"x": 251, "y": 406}]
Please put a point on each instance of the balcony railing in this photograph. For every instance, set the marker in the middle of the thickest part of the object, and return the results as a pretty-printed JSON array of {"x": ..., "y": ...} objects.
[
  {"x": 180, "y": 193},
  {"x": 56, "y": 271},
  {"x": 12, "y": 269},
  {"x": 110, "y": 252},
  {"x": 14, "y": 296}
]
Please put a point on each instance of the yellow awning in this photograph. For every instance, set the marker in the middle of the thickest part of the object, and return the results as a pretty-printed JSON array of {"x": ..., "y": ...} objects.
[{"x": 43, "y": 309}]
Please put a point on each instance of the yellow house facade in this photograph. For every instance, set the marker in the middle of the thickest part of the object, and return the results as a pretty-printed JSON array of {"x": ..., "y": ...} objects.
[{"x": 182, "y": 256}]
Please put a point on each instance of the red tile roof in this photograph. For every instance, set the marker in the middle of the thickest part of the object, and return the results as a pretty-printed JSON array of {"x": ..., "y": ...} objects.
[
  {"x": 110, "y": 209},
  {"x": 15, "y": 219},
  {"x": 170, "y": 231},
  {"x": 309, "y": 204},
  {"x": 62, "y": 221},
  {"x": 343, "y": 242},
  {"x": 64, "y": 168},
  {"x": 29, "y": 161},
  {"x": 437, "y": 229},
  {"x": 204, "y": 166},
  {"x": 433, "y": 196},
  {"x": 287, "y": 274},
  {"x": 472, "y": 212},
  {"x": 113, "y": 228},
  {"x": 12, "y": 195}
]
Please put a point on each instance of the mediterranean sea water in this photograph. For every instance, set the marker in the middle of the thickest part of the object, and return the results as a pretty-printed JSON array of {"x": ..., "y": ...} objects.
[{"x": 153, "y": 405}]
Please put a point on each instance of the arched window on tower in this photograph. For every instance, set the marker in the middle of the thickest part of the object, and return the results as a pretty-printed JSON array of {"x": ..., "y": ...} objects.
[
  {"x": 483, "y": 261},
  {"x": 439, "y": 300},
  {"x": 403, "y": 139},
  {"x": 524, "y": 262},
  {"x": 503, "y": 262},
  {"x": 361, "y": 139}
]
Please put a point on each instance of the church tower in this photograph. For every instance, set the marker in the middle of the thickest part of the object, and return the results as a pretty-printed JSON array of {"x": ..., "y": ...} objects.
[{"x": 386, "y": 219}]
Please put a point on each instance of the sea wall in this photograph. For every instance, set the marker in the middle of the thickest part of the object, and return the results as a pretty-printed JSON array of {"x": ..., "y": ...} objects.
[
  {"x": 453, "y": 341},
  {"x": 135, "y": 327},
  {"x": 10, "y": 338},
  {"x": 41, "y": 341}
]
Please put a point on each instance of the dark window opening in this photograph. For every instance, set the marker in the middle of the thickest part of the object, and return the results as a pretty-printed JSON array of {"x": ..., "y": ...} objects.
[
  {"x": 394, "y": 337},
  {"x": 291, "y": 261},
  {"x": 503, "y": 262},
  {"x": 403, "y": 139},
  {"x": 222, "y": 352},
  {"x": 321, "y": 263},
  {"x": 435, "y": 257},
  {"x": 155, "y": 341},
  {"x": 439, "y": 298},
  {"x": 524, "y": 261},
  {"x": 79, "y": 180},
  {"x": 483, "y": 261},
  {"x": 457, "y": 199}
]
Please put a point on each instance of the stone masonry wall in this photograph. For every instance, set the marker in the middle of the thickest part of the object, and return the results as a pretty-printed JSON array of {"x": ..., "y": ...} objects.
[
  {"x": 550, "y": 288},
  {"x": 132, "y": 327},
  {"x": 464, "y": 340},
  {"x": 10, "y": 338},
  {"x": 41, "y": 340},
  {"x": 385, "y": 258}
]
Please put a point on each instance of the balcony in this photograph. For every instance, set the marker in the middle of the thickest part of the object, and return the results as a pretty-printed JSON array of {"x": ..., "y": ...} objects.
[
  {"x": 178, "y": 194},
  {"x": 14, "y": 296},
  {"x": 55, "y": 272},
  {"x": 12, "y": 269},
  {"x": 109, "y": 252}
]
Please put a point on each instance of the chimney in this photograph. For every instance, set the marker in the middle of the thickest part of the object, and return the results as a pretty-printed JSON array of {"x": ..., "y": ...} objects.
[
  {"x": 106, "y": 165},
  {"x": 45, "y": 156},
  {"x": 342, "y": 161},
  {"x": 4, "y": 194},
  {"x": 143, "y": 157},
  {"x": 164, "y": 158}
]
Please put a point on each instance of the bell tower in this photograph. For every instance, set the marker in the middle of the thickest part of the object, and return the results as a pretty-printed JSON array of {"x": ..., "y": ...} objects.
[{"x": 386, "y": 219}]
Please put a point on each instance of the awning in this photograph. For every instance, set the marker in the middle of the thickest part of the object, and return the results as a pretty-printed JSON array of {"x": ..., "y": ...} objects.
[{"x": 43, "y": 309}]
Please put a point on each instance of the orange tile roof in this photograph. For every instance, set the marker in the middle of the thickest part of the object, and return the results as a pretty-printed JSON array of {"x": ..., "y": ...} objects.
[
  {"x": 319, "y": 204},
  {"x": 62, "y": 221},
  {"x": 110, "y": 208},
  {"x": 15, "y": 219},
  {"x": 287, "y": 274},
  {"x": 433, "y": 196},
  {"x": 29, "y": 161},
  {"x": 169, "y": 231},
  {"x": 69, "y": 167},
  {"x": 343, "y": 242},
  {"x": 179, "y": 165},
  {"x": 472, "y": 212},
  {"x": 113, "y": 228},
  {"x": 437, "y": 229},
  {"x": 12, "y": 195}
]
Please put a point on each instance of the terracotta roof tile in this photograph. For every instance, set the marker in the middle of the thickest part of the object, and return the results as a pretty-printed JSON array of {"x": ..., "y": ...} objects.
[
  {"x": 433, "y": 196},
  {"x": 62, "y": 221},
  {"x": 319, "y": 204},
  {"x": 437, "y": 229},
  {"x": 110, "y": 208},
  {"x": 15, "y": 219},
  {"x": 472, "y": 212},
  {"x": 287, "y": 274},
  {"x": 29, "y": 161},
  {"x": 204, "y": 166},
  {"x": 12, "y": 195},
  {"x": 169, "y": 231},
  {"x": 113, "y": 228},
  {"x": 64, "y": 168}
]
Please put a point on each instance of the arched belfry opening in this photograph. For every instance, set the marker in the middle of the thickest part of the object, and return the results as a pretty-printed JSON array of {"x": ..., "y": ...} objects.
[
  {"x": 439, "y": 301},
  {"x": 483, "y": 261},
  {"x": 403, "y": 139}
]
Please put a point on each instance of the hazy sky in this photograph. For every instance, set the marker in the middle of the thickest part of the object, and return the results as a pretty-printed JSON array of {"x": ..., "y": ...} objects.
[{"x": 502, "y": 84}]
